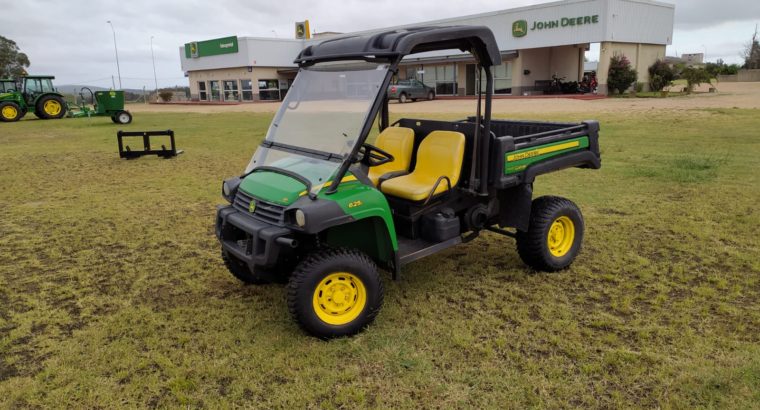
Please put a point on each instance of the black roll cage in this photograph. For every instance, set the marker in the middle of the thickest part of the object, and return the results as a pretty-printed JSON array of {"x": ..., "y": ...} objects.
[{"x": 391, "y": 47}]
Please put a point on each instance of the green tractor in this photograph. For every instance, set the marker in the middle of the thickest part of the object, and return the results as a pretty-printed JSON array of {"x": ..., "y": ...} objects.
[
  {"x": 30, "y": 93},
  {"x": 322, "y": 204}
]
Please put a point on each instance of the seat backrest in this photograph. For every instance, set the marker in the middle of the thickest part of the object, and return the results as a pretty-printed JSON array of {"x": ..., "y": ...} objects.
[
  {"x": 399, "y": 142},
  {"x": 439, "y": 154}
]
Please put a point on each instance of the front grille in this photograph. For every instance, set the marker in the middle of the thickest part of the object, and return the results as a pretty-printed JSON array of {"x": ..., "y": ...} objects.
[{"x": 265, "y": 211}]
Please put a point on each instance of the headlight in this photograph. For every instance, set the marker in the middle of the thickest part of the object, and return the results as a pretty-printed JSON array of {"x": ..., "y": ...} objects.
[
  {"x": 229, "y": 186},
  {"x": 300, "y": 218}
]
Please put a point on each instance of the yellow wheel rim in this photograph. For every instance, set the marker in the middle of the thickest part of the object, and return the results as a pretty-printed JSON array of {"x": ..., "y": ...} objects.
[
  {"x": 339, "y": 298},
  {"x": 52, "y": 107},
  {"x": 561, "y": 236},
  {"x": 9, "y": 112}
]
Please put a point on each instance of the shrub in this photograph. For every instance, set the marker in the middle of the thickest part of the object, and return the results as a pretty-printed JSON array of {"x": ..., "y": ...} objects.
[
  {"x": 621, "y": 75},
  {"x": 694, "y": 77},
  {"x": 166, "y": 96},
  {"x": 661, "y": 75}
]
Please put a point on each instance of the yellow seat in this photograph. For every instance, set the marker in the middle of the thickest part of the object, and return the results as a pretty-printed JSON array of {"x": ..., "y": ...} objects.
[
  {"x": 399, "y": 142},
  {"x": 440, "y": 154}
]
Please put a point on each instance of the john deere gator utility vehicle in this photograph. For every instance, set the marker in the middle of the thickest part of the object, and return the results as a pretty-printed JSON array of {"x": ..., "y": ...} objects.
[
  {"x": 31, "y": 93},
  {"x": 322, "y": 206}
]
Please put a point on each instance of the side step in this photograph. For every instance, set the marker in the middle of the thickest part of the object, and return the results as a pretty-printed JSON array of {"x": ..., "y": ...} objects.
[{"x": 411, "y": 250}]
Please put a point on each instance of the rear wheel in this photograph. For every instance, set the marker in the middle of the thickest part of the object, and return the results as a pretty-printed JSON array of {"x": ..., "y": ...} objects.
[
  {"x": 50, "y": 107},
  {"x": 335, "y": 292},
  {"x": 122, "y": 117},
  {"x": 10, "y": 112},
  {"x": 402, "y": 98},
  {"x": 241, "y": 271},
  {"x": 554, "y": 236}
]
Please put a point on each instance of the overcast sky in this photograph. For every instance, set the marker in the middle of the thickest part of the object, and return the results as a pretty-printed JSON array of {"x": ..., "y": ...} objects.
[{"x": 71, "y": 39}]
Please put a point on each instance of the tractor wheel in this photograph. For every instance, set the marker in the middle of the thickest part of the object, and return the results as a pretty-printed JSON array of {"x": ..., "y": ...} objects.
[
  {"x": 10, "y": 112},
  {"x": 554, "y": 236},
  {"x": 335, "y": 292},
  {"x": 240, "y": 270},
  {"x": 431, "y": 96},
  {"x": 402, "y": 98},
  {"x": 50, "y": 107},
  {"x": 122, "y": 117}
]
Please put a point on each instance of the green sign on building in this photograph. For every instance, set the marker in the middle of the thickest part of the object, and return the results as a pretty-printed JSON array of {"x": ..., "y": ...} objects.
[
  {"x": 217, "y": 46},
  {"x": 520, "y": 27}
]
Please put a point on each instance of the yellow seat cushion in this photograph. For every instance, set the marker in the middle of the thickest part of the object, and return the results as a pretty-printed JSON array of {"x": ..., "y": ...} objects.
[
  {"x": 399, "y": 142},
  {"x": 440, "y": 154}
]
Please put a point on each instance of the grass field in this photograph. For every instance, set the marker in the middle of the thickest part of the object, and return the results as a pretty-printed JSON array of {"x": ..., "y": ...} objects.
[{"x": 113, "y": 294}]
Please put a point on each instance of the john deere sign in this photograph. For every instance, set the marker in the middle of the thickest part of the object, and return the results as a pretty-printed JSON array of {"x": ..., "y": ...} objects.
[
  {"x": 226, "y": 45},
  {"x": 520, "y": 27}
]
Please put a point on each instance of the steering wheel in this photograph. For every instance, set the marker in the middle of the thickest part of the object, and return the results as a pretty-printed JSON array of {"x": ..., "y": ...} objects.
[{"x": 373, "y": 156}]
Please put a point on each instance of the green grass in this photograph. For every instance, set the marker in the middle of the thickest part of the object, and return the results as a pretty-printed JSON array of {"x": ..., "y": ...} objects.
[{"x": 113, "y": 293}]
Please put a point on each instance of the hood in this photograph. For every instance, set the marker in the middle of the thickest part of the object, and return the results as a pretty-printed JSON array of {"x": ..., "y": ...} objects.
[{"x": 273, "y": 187}]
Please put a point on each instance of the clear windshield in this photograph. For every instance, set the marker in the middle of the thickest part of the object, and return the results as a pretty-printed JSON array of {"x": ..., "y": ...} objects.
[{"x": 320, "y": 119}]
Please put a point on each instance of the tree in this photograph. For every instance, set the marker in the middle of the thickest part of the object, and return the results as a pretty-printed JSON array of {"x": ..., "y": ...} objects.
[
  {"x": 660, "y": 75},
  {"x": 695, "y": 76},
  {"x": 13, "y": 63},
  {"x": 621, "y": 75},
  {"x": 166, "y": 95},
  {"x": 751, "y": 53}
]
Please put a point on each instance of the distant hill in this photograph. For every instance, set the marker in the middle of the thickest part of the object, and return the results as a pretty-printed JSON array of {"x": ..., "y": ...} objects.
[{"x": 74, "y": 89}]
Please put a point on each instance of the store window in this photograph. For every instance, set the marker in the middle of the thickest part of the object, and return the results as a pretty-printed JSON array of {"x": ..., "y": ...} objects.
[
  {"x": 269, "y": 90},
  {"x": 502, "y": 79},
  {"x": 214, "y": 85},
  {"x": 246, "y": 87},
  {"x": 442, "y": 77},
  {"x": 202, "y": 94},
  {"x": 231, "y": 90}
]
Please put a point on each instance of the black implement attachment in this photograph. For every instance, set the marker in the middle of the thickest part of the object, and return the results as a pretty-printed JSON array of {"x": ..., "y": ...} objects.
[{"x": 126, "y": 152}]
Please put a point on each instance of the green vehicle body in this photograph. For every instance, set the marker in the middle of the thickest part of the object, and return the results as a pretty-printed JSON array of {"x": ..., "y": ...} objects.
[
  {"x": 309, "y": 208},
  {"x": 29, "y": 93}
]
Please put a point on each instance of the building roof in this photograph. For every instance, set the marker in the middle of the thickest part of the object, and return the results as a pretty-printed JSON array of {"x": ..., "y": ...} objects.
[{"x": 560, "y": 23}]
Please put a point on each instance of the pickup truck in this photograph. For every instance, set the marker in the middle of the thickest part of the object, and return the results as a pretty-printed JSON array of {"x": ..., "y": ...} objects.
[{"x": 405, "y": 90}]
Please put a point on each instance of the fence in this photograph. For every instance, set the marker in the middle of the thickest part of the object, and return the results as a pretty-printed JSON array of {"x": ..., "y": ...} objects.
[{"x": 741, "y": 77}]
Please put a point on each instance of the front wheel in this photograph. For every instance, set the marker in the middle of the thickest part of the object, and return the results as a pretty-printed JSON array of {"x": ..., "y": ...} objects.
[
  {"x": 335, "y": 292},
  {"x": 554, "y": 236},
  {"x": 10, "y": 112},
  {"x": 431, "y": 96}
]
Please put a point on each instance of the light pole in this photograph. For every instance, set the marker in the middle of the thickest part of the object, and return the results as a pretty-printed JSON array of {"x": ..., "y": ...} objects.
[
  {"x": 116, "y": 50},
  {"x": 153, "y": 57}
]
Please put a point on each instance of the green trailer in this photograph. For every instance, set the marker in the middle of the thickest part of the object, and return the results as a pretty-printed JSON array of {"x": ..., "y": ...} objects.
[
  {"x": 33, "y": 93},
  {"x": 322, "y": 205},
  {"x": 101, "y": 104}
]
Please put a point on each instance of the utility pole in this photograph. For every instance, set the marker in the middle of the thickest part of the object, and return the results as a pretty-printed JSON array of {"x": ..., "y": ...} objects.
[
  {"x": 116, "y": 50},
  {"x": 153, "y": 57},
  {"x": 113, "y": 82}
]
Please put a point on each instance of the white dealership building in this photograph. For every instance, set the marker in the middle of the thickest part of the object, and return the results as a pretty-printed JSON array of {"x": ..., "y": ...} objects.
[{"x": 536, "y": 43}]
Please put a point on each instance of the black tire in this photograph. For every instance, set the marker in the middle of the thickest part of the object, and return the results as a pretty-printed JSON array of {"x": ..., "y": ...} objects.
[
  {"x": 10, "y": 112},
  {"x": 546, "y": 246},
  {"x": 402, "y": 98},
  {"x": 240, "y": 270},
  {"x": 114, "y": 120},
  {"x": 41, "y": 111},
  {"x": 122, "y": 117},
  {"x": 431, "y": 96},
  {"x": 347, "y": 273}
]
